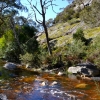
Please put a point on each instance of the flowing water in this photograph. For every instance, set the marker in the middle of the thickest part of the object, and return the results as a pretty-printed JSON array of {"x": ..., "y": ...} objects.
[{"x": 40, "y": 87}]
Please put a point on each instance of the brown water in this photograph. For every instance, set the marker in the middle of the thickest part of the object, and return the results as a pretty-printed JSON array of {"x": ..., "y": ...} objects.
[{"x": 30, "y": 88}]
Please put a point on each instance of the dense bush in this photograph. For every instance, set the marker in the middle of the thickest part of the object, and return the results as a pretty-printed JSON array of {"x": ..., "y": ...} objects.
[
  {"x": 73, "y": 21},
  {"x": 93, "y": 51},
  {"x": 75, "y": 52},
  {"x": 79, "y": 35},
  {"x": 66, "y": 15},
  {"x": 9, "y": 46},
  {"x": 31, "y": 59}
]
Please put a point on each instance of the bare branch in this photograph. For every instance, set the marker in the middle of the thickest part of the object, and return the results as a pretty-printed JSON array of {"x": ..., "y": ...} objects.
[
  {"x": 34, "y": 7},
  {"x": 36, "y": 17},
  {"x": 52, "y": 7},
  {"x": 50, "y": 3}
]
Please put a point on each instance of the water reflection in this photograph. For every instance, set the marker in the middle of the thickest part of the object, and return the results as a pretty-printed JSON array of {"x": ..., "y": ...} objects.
[{"x": 49, "y": 92}]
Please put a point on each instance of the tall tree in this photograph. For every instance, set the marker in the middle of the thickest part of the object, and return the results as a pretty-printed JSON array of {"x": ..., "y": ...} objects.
[
  {"x": 8, "y": 11},
  {"x": 44, "y": 5},
  {"x": 8, "y": 5}
]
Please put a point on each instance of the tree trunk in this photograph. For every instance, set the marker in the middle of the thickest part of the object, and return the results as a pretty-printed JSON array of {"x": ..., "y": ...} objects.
[
  {"x": 47, "y": 39},
  {"x": 45, "y": 28}
]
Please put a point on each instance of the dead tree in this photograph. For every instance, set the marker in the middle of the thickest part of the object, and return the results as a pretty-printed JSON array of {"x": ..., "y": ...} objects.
[{"x": 44, "y": 4}]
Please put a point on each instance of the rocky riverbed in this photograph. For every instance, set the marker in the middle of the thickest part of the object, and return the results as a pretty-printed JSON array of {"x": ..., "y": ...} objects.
[{"x": 31, "y": 85}]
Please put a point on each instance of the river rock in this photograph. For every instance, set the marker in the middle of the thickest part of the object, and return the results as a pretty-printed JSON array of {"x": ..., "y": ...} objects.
[
  {"x": 82, "y": 86},
  {"x": 10, "y": 66},
  {"x": 3, "y": 97},
  {"x": 54, "y": 83},
  {"x": 87, "y": 69},
  {"x": 60, "y": 73},
  {"x": 44, "y": 83},
  {"x": 72, "y": 70}
]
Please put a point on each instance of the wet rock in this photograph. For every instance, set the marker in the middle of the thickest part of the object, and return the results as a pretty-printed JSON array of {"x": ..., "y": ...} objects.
[
  {"x": 28, "y": 66},
  {"x": 71, "y": 76},
  {"x": 3, "y": 97},
  {"x": 72, "y": 70},
  {"x": 87, "y": 69},
  {"x": 43, "y": 83},
  {"x": 10, "y": 66},
  {"x": 54, "y": 83},
  {"x": 82, "y": 86},
  {"x": 60, "y": 73}
]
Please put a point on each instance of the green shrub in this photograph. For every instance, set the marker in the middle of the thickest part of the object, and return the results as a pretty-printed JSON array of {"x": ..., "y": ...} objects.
[
  {"x": 31, "y": 59},
  {"x": 93, "y": 51},
  {"x": 79, "y": 35},
  {"x": 75, "y": 52},
  {"x": 73, "y": 21}
]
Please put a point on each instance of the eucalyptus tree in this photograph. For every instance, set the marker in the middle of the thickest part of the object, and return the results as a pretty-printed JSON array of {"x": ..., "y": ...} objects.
[
  {"x": 44, "y": 5},
  {"x": 8, "y": 8},
  {"x": 8, "y": 11},
  {"x": 8, "y": 5},
  {"x": 41, "y": 8}
]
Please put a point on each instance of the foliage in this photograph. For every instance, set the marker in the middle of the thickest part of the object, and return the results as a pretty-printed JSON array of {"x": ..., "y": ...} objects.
[
  {"x": 5, "y": 41},
  {"x": 12, "y": 52},
  {"x": 73, "y": 21},
  {"x": 79, "y": 35},
  {"x": 31, "y": 59},
  {"x": 75, "y": 52},
  {"x": 93, "y": 51},
  {"x": 67, "y": 14},
  {"x": 27, "y": 38},
  {"x": 8, "y": 44}
]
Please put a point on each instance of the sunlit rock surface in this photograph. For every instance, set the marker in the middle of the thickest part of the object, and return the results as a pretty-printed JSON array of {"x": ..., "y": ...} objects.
[{"x": 87, "y": 69}]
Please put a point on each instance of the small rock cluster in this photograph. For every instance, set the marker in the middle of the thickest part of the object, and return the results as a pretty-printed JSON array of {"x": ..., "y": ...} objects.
[{"x": 86, "y": 69}]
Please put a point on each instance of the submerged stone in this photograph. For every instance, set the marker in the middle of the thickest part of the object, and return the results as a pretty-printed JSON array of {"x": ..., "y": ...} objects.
[{"x": 82, "y": 86}]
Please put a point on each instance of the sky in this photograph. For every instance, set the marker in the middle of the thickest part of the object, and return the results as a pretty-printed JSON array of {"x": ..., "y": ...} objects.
[{"x": 49, "y": 13}]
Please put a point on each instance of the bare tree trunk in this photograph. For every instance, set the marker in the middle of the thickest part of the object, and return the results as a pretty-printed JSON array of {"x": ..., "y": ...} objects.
[
  {"x": 44, "y": 5},
  {"x": 47, "y": 39},
  {"x": 45, "y": 28}
]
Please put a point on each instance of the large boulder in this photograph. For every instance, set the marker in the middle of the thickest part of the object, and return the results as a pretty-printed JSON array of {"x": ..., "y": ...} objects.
[
  {"x": 10, "y": 66},
  {"x": 72, "y": 70},
  {"x": 87, "y": 69}
]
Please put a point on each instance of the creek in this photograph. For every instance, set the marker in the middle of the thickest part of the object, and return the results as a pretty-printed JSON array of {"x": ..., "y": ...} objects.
[{"x": 30, "y": 86}]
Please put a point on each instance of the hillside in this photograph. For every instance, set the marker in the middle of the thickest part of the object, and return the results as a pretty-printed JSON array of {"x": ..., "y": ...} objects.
[
  {"x": 62, "y": 33},
  {"x": 74, "y": 16},
  {"x": 73, "y": 37},
  {"x": 75, "y": 34}
]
